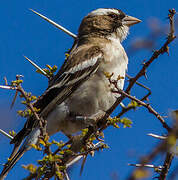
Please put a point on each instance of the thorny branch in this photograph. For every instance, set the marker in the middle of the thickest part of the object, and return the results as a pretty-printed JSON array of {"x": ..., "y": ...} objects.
[
  {"x": 146, "y": 159},
  {"x": 41, "y": 122},
  {"x": 166, "y": 166},
  {"x": 102, "y": 121},
  {"x": 142, "y": 72},
  {"x": 146, "y": 105},
  {"x": 163, "y": 146},
  {"x": 145, "y": 98},
  {"x": 19, "y": 89}
]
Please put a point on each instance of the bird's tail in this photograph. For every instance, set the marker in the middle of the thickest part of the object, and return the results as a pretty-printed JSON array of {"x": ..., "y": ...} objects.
[
  {"x": 32, "y": 138},
  {"x": 10, "y": 164}
]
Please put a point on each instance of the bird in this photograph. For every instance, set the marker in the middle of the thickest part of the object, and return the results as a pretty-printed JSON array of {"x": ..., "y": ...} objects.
[{"x": 80, "y": 90}]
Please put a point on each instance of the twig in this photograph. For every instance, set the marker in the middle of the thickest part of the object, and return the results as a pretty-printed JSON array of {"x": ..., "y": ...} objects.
[
  {"x": 55, "y": 24},
  {"x": 128, "y": 108},
  {"x": 172, "y": 12},
  {"x": 124, "y": 110},
  {"x": 151, "y": 156},
  {"x": 5, "y": 79},
  {"x": 79, "y": 156},
  {"x": 155, "y": 55},
  {"x": 30, "y": 106},
  {"x": 160, "y": 148},
  {"x": 143, "y": 86},
  {"x": 14, "y": 99},
  {"x": 95, "y": 147},
  {"x": 83, "y": 164},
  {"x": 59, "y": 149},
  {"x": 146, "y": 105},
  {"x": 166, "y": 166}
]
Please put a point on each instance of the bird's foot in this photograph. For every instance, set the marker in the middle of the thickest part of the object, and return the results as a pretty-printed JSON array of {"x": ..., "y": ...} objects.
[{"x": 90, "y": 120}]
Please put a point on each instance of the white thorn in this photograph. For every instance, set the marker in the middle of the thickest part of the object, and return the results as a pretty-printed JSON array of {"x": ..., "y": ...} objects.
[
  {"x": 156, "y": 136},
  {"x": 66, "y": 175},
  {"x": 8, "y": 87},
  {"x": 122, "y": 105},
  {"x": 146, "y": 165},
  {"x": 6, "y": 134},
  {"x": 76, "y": 159},
  {"x": 55, "y": 24},
  {"x": 37, "y": 67}
]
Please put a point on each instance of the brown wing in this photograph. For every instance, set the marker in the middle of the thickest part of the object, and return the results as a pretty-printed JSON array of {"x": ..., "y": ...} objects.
[{"x": 82, "y": 63}]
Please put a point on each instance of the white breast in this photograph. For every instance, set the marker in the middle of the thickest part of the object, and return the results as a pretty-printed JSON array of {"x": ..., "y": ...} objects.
[
  {"x": 116, "y": 59},
  {"x": 95, "y": 94}
]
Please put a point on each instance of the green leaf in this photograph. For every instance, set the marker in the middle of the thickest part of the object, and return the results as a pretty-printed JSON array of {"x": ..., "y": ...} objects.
[
  {"x": 126, "y": 122},
  {"x": 30, "y": 167},
  {"x": 134, "y": 104},
  {"x": 49, "y": 67}
]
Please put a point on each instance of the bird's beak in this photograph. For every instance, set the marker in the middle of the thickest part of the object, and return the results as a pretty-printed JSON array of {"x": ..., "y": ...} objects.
[{"x": 129, "y": 21}]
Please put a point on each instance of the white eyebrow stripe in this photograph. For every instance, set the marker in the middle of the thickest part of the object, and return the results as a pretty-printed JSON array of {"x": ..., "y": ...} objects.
[
  {"x": 102, "y": 11},
  {"x": 83, "y": 65}
]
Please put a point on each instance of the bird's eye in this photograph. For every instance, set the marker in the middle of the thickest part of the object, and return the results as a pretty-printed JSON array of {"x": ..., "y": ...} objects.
[
  {"x": 121, "y": 16},
  {"x": 114, "y": 16}
]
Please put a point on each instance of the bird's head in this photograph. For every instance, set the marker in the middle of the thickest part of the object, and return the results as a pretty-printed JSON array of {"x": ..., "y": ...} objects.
[{"x": 108, "y": 23}]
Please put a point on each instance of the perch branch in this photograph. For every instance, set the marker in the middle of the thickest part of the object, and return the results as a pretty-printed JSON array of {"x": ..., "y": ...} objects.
[{"x": 142, "y": 72}]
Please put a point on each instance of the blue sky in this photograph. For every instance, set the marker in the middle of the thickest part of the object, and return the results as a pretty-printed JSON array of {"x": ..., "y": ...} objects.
[{"x": 24, "y": 33}]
